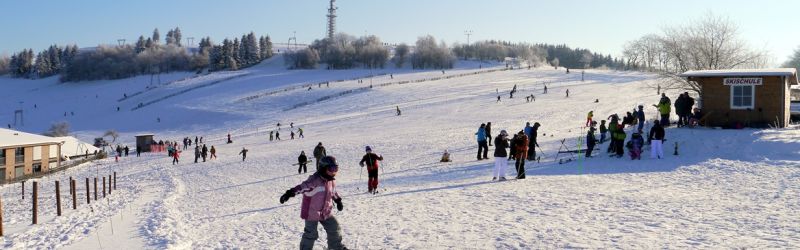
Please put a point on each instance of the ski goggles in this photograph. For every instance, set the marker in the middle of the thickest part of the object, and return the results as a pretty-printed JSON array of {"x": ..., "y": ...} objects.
[{"x": 333, "y": 168}]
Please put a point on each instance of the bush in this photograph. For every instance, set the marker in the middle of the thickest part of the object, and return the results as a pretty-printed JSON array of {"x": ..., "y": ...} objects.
[
  {"x": 430, "y": 55},
  {"x": 58, "y": 129},
  {"x": 307, "y": 58}
]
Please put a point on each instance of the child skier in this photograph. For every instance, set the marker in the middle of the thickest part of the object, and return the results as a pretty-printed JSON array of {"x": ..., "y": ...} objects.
[
  {"x": 589, "y": 118},
  {"x": 590, "y": 139},
  {"x": 213, "y": 152},
  {"x": 603, "y": 131},
  {"x": 175, "y": 157},
  {"x": 371, "y": 160},
  {"x": 243, "y": 153},
  {"x": 635, "y": 146},
  {"x": 318, "y": 192}
]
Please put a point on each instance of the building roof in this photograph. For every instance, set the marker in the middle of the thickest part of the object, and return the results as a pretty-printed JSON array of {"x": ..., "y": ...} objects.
[
  {"x": 12, "y": 138},
  {"x": 73, "y": 147},
  {"x": 790, "y": 72}
]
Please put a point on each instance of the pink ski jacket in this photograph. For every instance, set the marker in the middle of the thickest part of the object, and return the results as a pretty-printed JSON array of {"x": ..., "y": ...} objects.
[{"x": 318, "y": 194}]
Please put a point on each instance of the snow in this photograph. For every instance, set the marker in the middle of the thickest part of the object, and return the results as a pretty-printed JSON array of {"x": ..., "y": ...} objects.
[
  {"x": 791, "y": 72},
  {"x": 724, "y": 189},
  {"x": 10, "y": 137}
]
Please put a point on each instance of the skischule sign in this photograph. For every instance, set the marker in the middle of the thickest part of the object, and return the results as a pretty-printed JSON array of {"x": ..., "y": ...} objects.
[{"x": 743, "y": 81}]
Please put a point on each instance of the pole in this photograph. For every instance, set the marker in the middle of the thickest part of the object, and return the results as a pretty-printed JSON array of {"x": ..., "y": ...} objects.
[
  {"x": 88, "y": 201},
  {"x": 58, "y": 199},
  {"x": 35, "y": 198},
  {"x": 74, "y": 203},
  {"x": 115, "y": 180},
  {"x": 95, "y": 188},
  {"x": 104, "y": 187},
  {"x": 23, "y": 190}
]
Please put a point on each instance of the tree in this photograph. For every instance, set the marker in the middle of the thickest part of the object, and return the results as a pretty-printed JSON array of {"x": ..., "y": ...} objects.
[
  {"x": 141, "y": 45},
  {"x": 265, "y": 47},
  {"x": 58, "y": 129},
  {"x": 555, "y": 62},
  {"x": 710, "y": 43},
  {"x": 176, "y": 34},
  {"x": 793, "y": 62},
  {"x": 4, "y": 65},
  {"x": 401, "y": 54},
  {"x": 170, "y": 39},
  {"x": 156, "y": 36}
]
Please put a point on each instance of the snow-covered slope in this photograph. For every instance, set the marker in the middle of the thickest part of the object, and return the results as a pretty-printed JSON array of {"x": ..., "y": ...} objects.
[{"x": 725, "y": 188}]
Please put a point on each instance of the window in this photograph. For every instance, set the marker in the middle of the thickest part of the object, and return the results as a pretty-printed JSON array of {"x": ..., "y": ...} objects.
[{"x": 742, "y": 97}]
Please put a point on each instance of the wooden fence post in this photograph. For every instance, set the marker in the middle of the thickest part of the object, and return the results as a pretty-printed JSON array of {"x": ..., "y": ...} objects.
[
  {"x": 115, "y": 180},
  {"x": 109, "y": 184},
  {"x": 58, "y": 199},
  {"x": 74, "y": 203},
  {"x": 95, "y": 188},
  {"x": 88, "y": 201},
  {"x": 104, "y": 187},
  {"x": 35, "y": 198},
  {"x": 23, "y": 190},
  {"x": 1, "y": 217}
]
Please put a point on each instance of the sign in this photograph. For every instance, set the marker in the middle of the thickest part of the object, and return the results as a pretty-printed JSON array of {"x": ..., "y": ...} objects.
[{"x": 743, "y": 81}]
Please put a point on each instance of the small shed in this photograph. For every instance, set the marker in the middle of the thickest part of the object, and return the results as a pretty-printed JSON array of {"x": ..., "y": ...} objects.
[
  {"x": 745, "y": 97},
  {"x": 143, "y": 142}
]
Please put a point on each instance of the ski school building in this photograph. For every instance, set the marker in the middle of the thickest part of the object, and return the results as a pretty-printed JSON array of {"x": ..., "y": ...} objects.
[
  {"x": 25, "y": 154},
  {"x": 745, "y": 97}
]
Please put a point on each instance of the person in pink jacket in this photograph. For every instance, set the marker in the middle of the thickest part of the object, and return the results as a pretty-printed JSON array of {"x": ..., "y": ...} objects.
[{"x": 319, "y": 194}]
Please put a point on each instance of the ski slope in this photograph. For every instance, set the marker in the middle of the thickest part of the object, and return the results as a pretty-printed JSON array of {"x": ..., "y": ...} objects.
[{"x": 725, "y": 188}]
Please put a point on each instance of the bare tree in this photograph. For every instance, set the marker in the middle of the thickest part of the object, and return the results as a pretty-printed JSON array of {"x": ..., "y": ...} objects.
[
  {"x": 793, "y": 62},
  {"x": 58, "y": 129},
  {"x": 112, "y": 133},
  {"x": 711, "y": 43}
]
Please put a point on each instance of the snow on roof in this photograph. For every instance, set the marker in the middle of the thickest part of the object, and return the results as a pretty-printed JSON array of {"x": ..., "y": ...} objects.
[
  {"x": 792, "y": 72},
  {"x": 72, "y": 146},
  {"x": 9, "y": 138}
]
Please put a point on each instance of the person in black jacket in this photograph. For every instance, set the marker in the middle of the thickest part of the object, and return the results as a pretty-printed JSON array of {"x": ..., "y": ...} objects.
[
  {"x": 319, "y": 152},
  {"x": 500, "y": 154},
  {"x": 656, "y": 139},
  {"x": 489, "y": 132},
  {"x": 532, "y": 144},
  {"x": 370, "y": 160},
  {"x": 204, "y": 152},
  {"x": 302, "y": 160}
]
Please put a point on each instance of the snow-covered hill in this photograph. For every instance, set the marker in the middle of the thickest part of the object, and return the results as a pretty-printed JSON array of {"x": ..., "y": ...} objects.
[{"x": 725, "y": 188}]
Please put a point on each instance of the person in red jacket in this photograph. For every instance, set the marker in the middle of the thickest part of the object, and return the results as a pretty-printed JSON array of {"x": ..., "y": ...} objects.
[
  {"x": 371, "y": 160},
  {"x": 175, "y": 156}
]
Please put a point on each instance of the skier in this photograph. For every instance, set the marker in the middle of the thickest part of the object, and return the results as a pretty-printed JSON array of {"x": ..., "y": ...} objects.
[
  {"x": 483, "y": 148},
  {"x": 591, "y": 140},
  {"x": 243, "y": 153},
  {"x": 635, "y": 146},
  {"x": 612, "y": 125},
  {"x": 589, "y": 118},
  {"x": 656, "y": 138},
  {"x": 204, "y": 152},
  {"x": 619, "y": 136},
  {"x": 291, "y": 135},
  {"x": 445, "y": 157},
  {"x": 532, "y": 144},
  {"x": 213, "y": 152},
  {"x": 500, "y": 161},
  {"x": 302, "y": 161},
  {"x": 277, "y": 135},
  {"x": 398, "y": 110},
  {"x": 522, "y": 153},
  {"x": 229, "y": 139},
  {"x": 687, "y": 108},
  {"x": 201, "y": 139},
  {"x": 126, "y": 151},
  {"x": 196, "y": 138},
  {"x": 319, "y": 194},
  {"x": 489, "y": 133},
  {"x": 603, "y": 131},
  {"x": 175, "y": 157},
  {"x": 138, "y": 151},
  {"x": 319, "y": 152},
  {"x": 300, "y": 130},
  {"x": 371, "y": 159},
  {"x": 291, "y": 125},
  {"x": 640, "y": 117},
  {"x": 545, "y": 89},
  {"x": 196, "y": 153},
  {"x": 567, "y": 89},
  {"x": 271, "y": 135},
  {"x": 498, "y": 99},
  {"x": 664, "y": 109},
  {"x": 513, "y": 147}
]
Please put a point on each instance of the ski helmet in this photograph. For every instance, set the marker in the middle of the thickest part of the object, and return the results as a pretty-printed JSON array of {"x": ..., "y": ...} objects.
[
  {"x": 368, "y": 149},
  {"x": 328, "y": 163}
]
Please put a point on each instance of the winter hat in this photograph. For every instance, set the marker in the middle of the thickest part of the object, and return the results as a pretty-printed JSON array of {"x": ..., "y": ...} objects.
[
  {"x": 503, "y": 133},
  {"x": 328, "y": 163},
  {"x": 368, "y": 149}
]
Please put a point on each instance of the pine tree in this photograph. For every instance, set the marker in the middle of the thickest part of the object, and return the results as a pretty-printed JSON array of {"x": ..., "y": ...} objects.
[
  {"x": 235, "y": 55},
  {"x": 156, "y": 37},
  {"x": 253, "y": 55},
  {"x": 265, "y": 47},
  {"x": 170, "y": 38},
  {"x": 149, "y": 43},
  {"x": 141, "y": 45},
  {"x": 177, "y": 35}
]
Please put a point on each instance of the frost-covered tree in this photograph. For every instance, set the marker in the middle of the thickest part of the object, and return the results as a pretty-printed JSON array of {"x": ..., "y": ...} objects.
[
  {"x": 170, "y": 39},
  {"x": 58, "y": 129},
  {"x": 141, "y": 44},
  {"x": 176, "y": 34},
  {"x": 401, "y": 54},
  {"x": 794, "y": 60},
  {"x": 307, "y": 58},
  {"x": 4, "y": 65},
  {"x": 265, "y": 47},
  {"x": 555, "y": 62},
  {"x": 156, "y": 36},
  {"x": 430, "y": 55}
]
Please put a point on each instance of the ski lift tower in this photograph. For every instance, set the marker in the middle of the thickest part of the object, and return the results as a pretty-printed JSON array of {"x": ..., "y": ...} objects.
[
  {"x": 331, "y": 20},
  {"x": 18, "y": 113}
]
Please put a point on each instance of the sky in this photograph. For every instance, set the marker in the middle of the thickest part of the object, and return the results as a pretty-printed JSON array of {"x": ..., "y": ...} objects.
[{"x": 601, "y": 26}]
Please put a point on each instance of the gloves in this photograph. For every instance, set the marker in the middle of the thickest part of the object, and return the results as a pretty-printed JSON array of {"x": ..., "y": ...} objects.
[
  {"x": 285, "y": 197},
  {"x": 339, "y": 205},
  {"x": 361, "y": 163}
]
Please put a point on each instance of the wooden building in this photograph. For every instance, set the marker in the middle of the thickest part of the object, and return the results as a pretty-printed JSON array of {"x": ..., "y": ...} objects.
[
  {"x": 745, "y": 97},
  {"x": 25, "y": 154}
]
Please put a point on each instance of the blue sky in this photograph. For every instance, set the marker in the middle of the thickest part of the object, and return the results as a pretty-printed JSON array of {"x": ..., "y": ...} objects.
[{"x": 602, "y": 26}]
